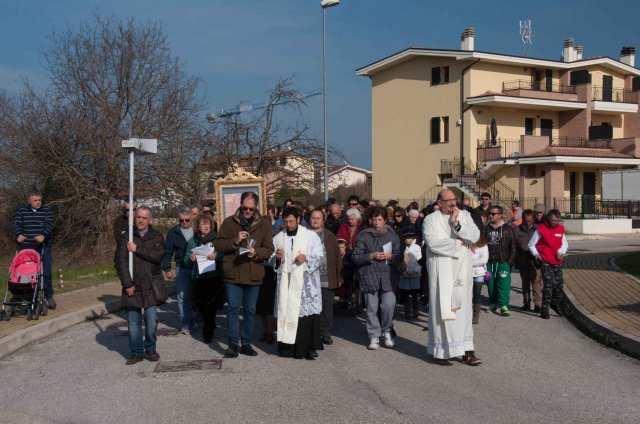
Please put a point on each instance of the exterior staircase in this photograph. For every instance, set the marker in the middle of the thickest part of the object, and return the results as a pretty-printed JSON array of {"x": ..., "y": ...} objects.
[{"x": 473, "y": 181}]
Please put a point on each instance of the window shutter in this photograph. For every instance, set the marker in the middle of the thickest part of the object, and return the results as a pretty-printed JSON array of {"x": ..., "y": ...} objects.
[
  {"x": 435, "y": 130},
  {"x": 435, "y": 75}
]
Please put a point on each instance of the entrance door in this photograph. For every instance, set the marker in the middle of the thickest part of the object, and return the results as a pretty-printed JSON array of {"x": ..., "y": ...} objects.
[
  {"x": 572, "y": 192},
  {"x": 607, "y": 88},
  {"x": 546, "y": 128},
  {"x": 589, "y": 192},
  {"x": 537, "y": 78}
]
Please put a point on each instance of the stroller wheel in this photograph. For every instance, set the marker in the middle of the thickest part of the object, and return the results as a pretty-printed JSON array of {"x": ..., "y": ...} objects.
[
  {"x": 36, "y": 313},
  {"x": 44, "y": 310},
  {"x": 7, "y": 313},
  {"x": 29, "y": 314}
]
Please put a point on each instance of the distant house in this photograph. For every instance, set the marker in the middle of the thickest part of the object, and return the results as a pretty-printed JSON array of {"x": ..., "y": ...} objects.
[
  {"x": 347, "y": 175},
  {"x": 280, "y": 170}
]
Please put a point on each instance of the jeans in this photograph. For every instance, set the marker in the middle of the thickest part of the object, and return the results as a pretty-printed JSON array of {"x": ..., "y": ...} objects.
[
  {"x": 134, "y": 321},
  {"x": 326, "y": 315},
  {"x": 388, "y": 303},
  {"x": 247, "y": 296},
  {"x": 477, "y": 289},
  {"x": 184, "y": 295}
]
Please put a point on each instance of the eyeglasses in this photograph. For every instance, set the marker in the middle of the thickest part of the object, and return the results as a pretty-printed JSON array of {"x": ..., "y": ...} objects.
[
  {"x": 353, "y": 204},
  {"x": 486, "y": 198},
  {"x": 398, "y": 216},
  {"x": 246, "y": 208},
  {"x": 185, "y": 220},
  {"x": 495, "y": 213}
]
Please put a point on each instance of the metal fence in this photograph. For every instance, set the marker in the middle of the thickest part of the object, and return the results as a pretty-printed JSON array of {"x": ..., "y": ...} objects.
[{"x": 590, "y": 207}]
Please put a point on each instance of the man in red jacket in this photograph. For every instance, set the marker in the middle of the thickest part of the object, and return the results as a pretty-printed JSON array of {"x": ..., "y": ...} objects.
[{"x": 549, "y": 245}]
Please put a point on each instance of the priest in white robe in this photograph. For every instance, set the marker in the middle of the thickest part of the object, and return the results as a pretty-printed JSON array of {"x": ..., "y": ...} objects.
[
  {"x": 298, "y": 256},
  {"x": 448, "y": 234}
]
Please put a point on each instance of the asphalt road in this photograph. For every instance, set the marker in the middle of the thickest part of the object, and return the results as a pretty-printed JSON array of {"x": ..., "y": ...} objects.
[{"x": 534, "y": 371}]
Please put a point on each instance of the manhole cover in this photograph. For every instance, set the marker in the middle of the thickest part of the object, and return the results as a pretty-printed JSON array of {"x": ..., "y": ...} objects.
[{"x": 195, "y": 365}]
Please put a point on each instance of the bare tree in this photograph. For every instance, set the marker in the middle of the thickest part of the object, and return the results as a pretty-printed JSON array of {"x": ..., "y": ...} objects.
[
  {"x": 274, "y": 142},
  {"x": 109, "y": 80}
]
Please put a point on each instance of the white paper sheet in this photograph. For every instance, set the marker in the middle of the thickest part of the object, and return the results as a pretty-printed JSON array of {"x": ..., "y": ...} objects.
[
  {"x": 243, "y": 250},
  {"x": 204, "y": 264}
]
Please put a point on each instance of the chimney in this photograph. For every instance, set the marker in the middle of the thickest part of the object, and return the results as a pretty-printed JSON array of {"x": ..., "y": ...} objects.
[
  {"x": 579, "y": 52},
  {"x": 467, "y": 39},
  {"x": 568, "y": 53},
  {"x": 628, "y": 56}
]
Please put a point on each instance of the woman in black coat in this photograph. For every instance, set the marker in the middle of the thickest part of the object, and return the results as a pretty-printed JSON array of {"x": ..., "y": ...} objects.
[{"x": 208, "y": 287}]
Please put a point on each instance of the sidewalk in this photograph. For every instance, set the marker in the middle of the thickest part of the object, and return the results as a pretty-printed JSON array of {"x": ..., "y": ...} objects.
[
  {"x": 73, "y": 308},
  {"x": 603, "y": 302}
]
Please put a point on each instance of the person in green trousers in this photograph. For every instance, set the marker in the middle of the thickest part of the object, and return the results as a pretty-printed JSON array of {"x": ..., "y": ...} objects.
[{"x": 502, "y": 253}]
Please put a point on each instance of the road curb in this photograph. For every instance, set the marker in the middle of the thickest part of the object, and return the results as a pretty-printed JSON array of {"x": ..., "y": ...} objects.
[
  {"x": 22, "y": 338},
  {"x": 597, "y": 329}
]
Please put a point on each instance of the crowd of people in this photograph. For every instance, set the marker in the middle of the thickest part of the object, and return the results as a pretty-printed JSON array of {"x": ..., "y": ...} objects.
[{"x": 291, "y": 264}]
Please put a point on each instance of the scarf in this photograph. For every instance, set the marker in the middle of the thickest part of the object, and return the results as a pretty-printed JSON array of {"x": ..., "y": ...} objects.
[{"x": 290, "y": 283}]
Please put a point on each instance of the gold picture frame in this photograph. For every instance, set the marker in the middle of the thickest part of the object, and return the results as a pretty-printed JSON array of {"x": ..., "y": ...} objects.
[{"x": 230, "y": 188}]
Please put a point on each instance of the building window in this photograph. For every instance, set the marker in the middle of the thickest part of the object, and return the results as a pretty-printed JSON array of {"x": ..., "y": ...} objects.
[
  {"x": 439, "y": 129},
  {"x": 528, "y": 126},
  {"x": 439, "y": 75}
]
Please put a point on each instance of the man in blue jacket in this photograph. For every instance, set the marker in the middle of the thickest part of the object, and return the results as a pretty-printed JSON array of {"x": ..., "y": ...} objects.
[
  {"x": 175, "y": 246},
  {"x": 32, "y": 226}
]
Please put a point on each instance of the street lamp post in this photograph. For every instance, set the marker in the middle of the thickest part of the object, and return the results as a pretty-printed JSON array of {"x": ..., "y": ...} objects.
[
  {"x": 141, "y": 145},
  {"x": 325, "y": 4}
]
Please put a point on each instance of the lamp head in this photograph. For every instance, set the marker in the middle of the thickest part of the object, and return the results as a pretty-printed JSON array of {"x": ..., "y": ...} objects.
[{"x": 329, "y": 3}]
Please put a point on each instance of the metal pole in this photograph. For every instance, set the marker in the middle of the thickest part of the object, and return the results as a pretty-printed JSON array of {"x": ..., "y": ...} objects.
[
  {"x": 324, "y": 104},
  {"x": 131, "y": 161}
]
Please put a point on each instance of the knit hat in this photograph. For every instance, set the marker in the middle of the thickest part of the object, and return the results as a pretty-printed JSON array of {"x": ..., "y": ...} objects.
[{"x": 408, "y": 232}]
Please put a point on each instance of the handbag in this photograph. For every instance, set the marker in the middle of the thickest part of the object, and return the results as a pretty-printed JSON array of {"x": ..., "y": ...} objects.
[
  {"x": 160, "y": 292},
  {"x": 487, "y": 276}
]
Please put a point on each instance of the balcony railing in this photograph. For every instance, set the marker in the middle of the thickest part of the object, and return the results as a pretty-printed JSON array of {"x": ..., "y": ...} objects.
[
  {"x": 538, "y": 86},
  {"x": 616, "y": 95},
  {"x": 509, "y": 149},
  {"x": 500, "y": 149}
]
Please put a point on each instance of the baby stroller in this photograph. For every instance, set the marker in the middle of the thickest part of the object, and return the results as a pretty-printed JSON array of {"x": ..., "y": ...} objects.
[{"x": 25, "y": 284}]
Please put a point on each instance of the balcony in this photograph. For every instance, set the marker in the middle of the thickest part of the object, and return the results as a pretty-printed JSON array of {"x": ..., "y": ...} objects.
[
  {"x": 538, "y": 90},
  {"x": 530, "y": 149},
  {"x": 614, "y": 100}
]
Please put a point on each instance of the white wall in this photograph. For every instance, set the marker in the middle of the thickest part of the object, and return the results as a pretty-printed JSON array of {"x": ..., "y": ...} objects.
[
  {"x": 598, "y": 226},
  {"x": 618, "y": 185}
]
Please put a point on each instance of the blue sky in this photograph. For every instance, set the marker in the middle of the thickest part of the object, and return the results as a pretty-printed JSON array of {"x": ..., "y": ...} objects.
[{"x": 239, "y": 48}]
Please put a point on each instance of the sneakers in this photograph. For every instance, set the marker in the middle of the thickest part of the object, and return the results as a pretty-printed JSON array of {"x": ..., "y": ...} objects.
[
  {"x": 51, "y": 303},
  {"x": 388, "y": 340},
  {"x": 153, "y": 355},
  {"x": 374, "y": 343},
  {"x": 504, "y": 311},
  {"x": 544, "y": 314},
  {"x": 526, "y": 307},
  {"x": 471, "y": 359},
  {"x": 185, "y": 331},
  {"x": 442, "y": 362},
  {"x": 232, "y": 351},
  {"x": 133, "y": 360},
  {"x": 536, "y": 309},
  {"x": 490, "y": 309},
  {"x": 248, "y": 350}
]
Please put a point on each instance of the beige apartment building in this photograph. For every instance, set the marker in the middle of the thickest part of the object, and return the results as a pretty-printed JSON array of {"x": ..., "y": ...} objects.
[{"x": 522, "y": 128}]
